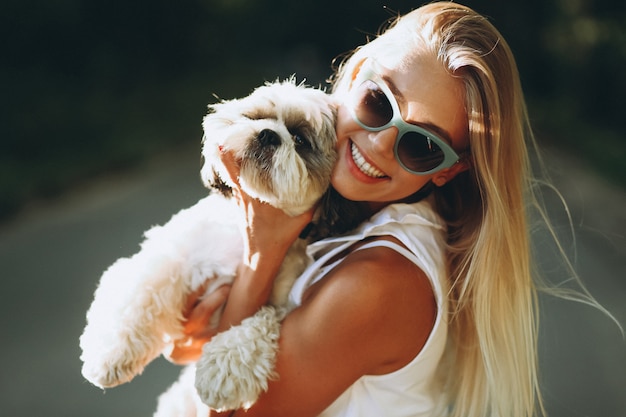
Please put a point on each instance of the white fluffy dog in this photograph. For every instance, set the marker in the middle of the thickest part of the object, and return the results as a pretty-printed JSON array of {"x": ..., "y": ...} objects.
[{"x": 284, "y": 139}]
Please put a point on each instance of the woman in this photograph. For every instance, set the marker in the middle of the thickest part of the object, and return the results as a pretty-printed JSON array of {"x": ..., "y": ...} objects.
[{"x": 428, "y": 307}]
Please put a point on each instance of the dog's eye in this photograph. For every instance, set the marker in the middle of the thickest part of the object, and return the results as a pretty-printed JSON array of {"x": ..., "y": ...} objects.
[{"x": 301, "y": 141}]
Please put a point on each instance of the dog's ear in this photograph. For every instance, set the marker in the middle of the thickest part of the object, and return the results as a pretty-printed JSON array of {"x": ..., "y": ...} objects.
[{"x": 218, "y": 184}]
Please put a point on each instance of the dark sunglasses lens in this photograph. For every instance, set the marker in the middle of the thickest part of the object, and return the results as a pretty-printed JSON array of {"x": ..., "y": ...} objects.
[
  {"x": 418, "y": 153},
  {"x": 372, "y": 106}
]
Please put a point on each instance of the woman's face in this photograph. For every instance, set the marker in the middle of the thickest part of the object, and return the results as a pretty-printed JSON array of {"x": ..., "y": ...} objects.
[{"x": 428, "y": 96}]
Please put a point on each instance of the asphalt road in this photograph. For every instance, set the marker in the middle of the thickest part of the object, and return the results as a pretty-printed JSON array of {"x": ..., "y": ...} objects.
[{"x": 51, "y": 258}]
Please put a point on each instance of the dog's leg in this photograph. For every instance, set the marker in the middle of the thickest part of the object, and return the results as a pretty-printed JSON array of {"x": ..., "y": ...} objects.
[
  {"x": 126, "y": 322},
  {"x": 237, "y": 365},
  {"x": 181, "y": 399},
  {"x": 138, "y": 305}
]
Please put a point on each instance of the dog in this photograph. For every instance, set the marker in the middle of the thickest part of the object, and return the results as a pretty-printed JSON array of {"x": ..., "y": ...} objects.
[{"x": 283, "y": 137}]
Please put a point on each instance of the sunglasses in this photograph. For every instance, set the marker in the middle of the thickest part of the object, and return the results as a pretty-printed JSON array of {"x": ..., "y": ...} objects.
[{"x": 374, "y": 107}]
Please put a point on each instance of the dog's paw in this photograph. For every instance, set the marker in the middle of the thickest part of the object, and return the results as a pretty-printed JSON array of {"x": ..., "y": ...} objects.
[
  {"x": 237, "y": 365},
  {"x": 107, "y": 364},
  {"x": 109, "y": 376},
  {"x": 112, "y": 368}
]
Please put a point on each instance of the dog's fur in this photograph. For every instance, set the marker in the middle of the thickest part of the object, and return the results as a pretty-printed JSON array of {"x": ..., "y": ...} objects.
[{"x": 284, "y": 140}]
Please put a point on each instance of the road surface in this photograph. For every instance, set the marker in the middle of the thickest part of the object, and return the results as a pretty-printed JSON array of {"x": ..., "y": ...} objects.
[{"x": 51, "y": 258}]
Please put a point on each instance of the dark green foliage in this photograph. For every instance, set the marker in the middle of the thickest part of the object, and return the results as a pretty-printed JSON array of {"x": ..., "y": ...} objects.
[{"x": 90, "y": 86}]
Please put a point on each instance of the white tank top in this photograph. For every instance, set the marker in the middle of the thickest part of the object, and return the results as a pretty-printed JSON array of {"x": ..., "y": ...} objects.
[{"x": 412, "y": 390}]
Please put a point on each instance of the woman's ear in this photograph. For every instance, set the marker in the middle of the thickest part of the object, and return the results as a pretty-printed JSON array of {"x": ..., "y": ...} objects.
[{"x": 446, "y": 175}]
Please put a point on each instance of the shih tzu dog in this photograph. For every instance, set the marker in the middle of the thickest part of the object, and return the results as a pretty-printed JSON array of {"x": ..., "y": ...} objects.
[{"x": 283, "y": 136}]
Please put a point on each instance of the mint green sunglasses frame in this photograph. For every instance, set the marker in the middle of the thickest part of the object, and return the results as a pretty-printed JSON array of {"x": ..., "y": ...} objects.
[{"x": 368, "y": 72}]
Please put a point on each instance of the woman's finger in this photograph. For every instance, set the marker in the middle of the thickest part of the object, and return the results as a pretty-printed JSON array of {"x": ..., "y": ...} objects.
[
  {"x": 196, "y": 329},
  {"x": 200, "y": 316},
  {"x": 232, "y": 166},
  {"x": 186, "y": 350},
  {"x": 193, "y": 299}
]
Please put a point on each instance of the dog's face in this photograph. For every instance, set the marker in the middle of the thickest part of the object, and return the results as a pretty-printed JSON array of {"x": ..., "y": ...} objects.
[{"x": 283, "y": 136}]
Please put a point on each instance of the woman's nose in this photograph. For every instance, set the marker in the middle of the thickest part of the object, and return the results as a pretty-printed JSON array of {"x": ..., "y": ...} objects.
[{"x": 384, "y": 141}]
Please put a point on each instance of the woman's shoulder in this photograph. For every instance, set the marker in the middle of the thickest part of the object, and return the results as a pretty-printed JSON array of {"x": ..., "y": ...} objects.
[{"x": 382, "y": 297}]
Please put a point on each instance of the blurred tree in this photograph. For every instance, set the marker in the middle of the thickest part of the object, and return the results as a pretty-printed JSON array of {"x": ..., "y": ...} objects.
[{"x": 93, "y": 85}]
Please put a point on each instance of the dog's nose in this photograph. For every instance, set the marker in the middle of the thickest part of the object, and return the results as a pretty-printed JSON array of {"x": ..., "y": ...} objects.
[{"x": 268, "y": 137}]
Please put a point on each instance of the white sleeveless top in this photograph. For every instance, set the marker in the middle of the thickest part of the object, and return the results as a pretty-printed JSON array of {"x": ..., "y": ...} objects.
[{"x": 412, "y": 390}]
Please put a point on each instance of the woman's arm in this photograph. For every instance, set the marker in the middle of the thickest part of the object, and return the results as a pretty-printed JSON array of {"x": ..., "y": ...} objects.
[
  {"x": 268, "y": 237},
  {"x": 371, "y": 315},
  {"x": 268, "y": 234}
]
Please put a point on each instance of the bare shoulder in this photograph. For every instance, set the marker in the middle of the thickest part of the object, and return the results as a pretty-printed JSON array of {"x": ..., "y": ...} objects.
[
  {"x": 384, "y": 299},
  {"x": 370, "y": 315}
]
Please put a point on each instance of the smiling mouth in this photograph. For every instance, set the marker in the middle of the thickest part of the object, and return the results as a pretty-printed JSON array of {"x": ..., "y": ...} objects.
[{"x": 364, "y": 166}]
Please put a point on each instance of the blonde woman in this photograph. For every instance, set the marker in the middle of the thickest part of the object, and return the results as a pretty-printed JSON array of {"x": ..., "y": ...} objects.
[{"x": 428, "y": 308}]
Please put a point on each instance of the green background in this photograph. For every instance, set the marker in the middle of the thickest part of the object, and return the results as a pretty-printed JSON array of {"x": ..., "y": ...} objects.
[{"x": 94, "y": 86}]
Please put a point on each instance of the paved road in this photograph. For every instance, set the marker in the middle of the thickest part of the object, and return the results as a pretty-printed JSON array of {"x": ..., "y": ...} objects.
[{"x": 52, "y": 256}]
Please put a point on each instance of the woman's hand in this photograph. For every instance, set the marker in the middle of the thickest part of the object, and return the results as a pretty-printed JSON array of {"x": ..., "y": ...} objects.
[
  {"x": 268, "y": 234},
  {"x": 198, "y": 313},
  {"x": 269, "y": 230}
]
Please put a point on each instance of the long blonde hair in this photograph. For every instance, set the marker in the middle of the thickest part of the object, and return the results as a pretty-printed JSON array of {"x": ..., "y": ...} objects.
[{"x": 493, "y": 357}]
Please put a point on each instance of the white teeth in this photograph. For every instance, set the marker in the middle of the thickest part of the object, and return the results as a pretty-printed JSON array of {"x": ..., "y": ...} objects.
[{"x": 363, "y": 165}]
